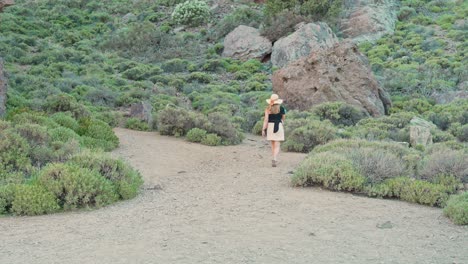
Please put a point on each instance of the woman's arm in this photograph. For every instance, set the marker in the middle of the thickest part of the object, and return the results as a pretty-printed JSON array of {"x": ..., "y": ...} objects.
[{"x": 265, "y": 123}]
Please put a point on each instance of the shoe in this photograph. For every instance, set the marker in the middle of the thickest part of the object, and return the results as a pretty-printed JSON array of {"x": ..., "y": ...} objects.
[{"x": 273, "y": 163}]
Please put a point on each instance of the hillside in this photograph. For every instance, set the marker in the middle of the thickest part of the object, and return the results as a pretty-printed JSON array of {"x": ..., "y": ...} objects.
[{"x": 75, "y": 69}]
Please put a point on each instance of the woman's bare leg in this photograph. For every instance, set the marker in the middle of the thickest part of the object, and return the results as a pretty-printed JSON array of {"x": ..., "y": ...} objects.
[
  {"x": 273, "y": 147},
  {"x": 276, "y": 150}
]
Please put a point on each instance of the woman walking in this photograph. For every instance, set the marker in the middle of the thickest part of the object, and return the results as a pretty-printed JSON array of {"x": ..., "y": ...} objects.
[{"x": 273, "y": 125}]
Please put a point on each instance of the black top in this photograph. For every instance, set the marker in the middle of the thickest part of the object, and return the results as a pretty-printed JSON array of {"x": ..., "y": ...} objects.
[{"x": 276, "y": 118}]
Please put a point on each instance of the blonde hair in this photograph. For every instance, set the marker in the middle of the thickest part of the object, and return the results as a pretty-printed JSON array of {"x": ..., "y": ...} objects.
[{"x": 273, "y": 109}]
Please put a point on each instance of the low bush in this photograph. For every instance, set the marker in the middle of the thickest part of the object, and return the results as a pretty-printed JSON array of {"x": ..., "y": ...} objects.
[
  {"x": 33, "y": 133},
  {"x": 330, "y": 170},
  {"x": 7, "y": 196},
  {"x": 200, "y": 77},
  {"x": 33, "y": 200},
  {"x": 65, "y": 103},
  {"x": 33, "y": 118},
  {"x": 447, "y": 162},
  {"x": 126, "y": 180},
  {"x": 196, "y": 135},
  {"x": 457, "y": 208},
  {"x": 97, "y": 134},
  {"x": 191, "y": 12},
  {"x": 223, "y": 127},
  {"x": 339, "y": 113},
  {"x": 14, "y": 157},
  {"x": 174, "y": 121},
  {"x": 310, "y": 134},
  {"x": 412, "y": 190},
  {"x": 211, "y": 140},
  {"x": 377, "y": 164},
  {"x": 65, "y": 120},
  {"x": 244, "y": 15},
  {"x": 175, "y": 65},
  {"x": 76, "y": 187},
  {"x": 136, "y": 124},
  {"x": 63, "y": 134}
]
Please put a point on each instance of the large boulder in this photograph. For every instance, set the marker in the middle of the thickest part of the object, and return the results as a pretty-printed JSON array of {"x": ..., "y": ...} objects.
[
  {"x": 420, "y": 132},
  {"x": 3, "y": 89},
  {"x": 5, "y": 3},
  {"x": 307, "y": 38},
  {"x": 142, "y": 111},
  {"x": 339, "y": 73},
  {"x": 368, "y": 20},
  {"x": 245, "y": 43}
]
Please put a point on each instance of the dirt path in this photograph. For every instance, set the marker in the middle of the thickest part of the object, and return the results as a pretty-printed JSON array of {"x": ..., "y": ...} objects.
[{"x": 227, "y": 205}]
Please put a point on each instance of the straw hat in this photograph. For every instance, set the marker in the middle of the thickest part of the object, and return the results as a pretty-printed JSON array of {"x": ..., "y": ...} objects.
[{"x": 274, "y": 99}]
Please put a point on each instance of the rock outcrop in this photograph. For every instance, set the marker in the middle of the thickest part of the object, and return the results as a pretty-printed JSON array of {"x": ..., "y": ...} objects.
[
  {"x": 245, "y": 43},
  {"x": 3, "y": 89},
  {"x": 420, "y": 132},
  {"x": 307, "y": 38},
  {"x": 449, "y": 96},
  {"x": 339, "y": 73},
  {"x": 5, "y": 3},
  {"x": 368, "y": 20},
  {"x": 142, "y": 111}
]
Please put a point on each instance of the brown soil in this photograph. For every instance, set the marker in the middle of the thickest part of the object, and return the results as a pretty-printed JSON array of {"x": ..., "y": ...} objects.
[{"x": 228, "y": 205}]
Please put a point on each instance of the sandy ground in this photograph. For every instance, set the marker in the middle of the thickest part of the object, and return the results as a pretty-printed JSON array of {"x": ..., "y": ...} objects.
[{"x": 228, "y": 205}]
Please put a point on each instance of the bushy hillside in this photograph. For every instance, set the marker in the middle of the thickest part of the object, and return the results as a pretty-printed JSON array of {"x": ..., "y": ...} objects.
[{"x": 75, "y": 67}]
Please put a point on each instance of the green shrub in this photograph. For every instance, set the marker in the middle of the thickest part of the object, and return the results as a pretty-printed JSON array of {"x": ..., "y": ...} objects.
[
  {"x": 191, "y": 12},
  {"x": 243, "y": 15},
  {"x": 126, "y": 179},
  {"x": 196, "y": 135},
  {"x": 200, "y": 77},
  {"x": 34, "y": 134},
  {"x": 309, "y": 135},
  {"x": 76, "y": 187},
  {"x": 175, "y": 65},
  {"x": 405, "y": 13},
  {"x": 7, "y": 196},
  {"x": 97, "y": 134},
  {"x": 423, "y": 192},
  {"x": 65, "y": 120},
  {"x": 415, "y": 191},
  {"x": 63, "y": 134},
  {"x": 462, "y": 133},
  {"x": 211, "y": 140},
  {"x": 33, "y": 118},
  {"x": 447, "y": 162},
  {"x": 56, "y": 151},
  {"x": 457, "y": 208},
  {"x": 376, "y": 164},
  {"x": 141, "y": 72},
  {"x": 174, "y": 121},
  {"x": 136, "y": 124},
  {"x": 33, "y": 200},
  {"x": 65, "y": 103},
  {"x": 14, "y": 156},
  {"x": 223, "y": 127},
  {"x": 330, "y": 170},
  {"x": 339, "y": 113}
]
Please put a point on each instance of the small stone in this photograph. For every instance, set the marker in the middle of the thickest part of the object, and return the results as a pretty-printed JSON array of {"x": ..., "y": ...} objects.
[{"x": 386, "y": 225}]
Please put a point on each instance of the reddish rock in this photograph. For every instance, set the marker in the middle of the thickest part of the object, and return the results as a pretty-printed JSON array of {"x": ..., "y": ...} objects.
[
  {"x": 368, "y": 20},
  {"x": 307, "y": 38},
  {"x": 6, "y": 3},
  {"x": 339, "y": 73},
  {"x": 245, "y": 43},
  {"x": 142, "y": 111}
]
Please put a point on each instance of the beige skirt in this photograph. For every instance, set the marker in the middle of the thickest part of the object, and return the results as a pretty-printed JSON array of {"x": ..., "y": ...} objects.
[{"x": 278, "y": 136}]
